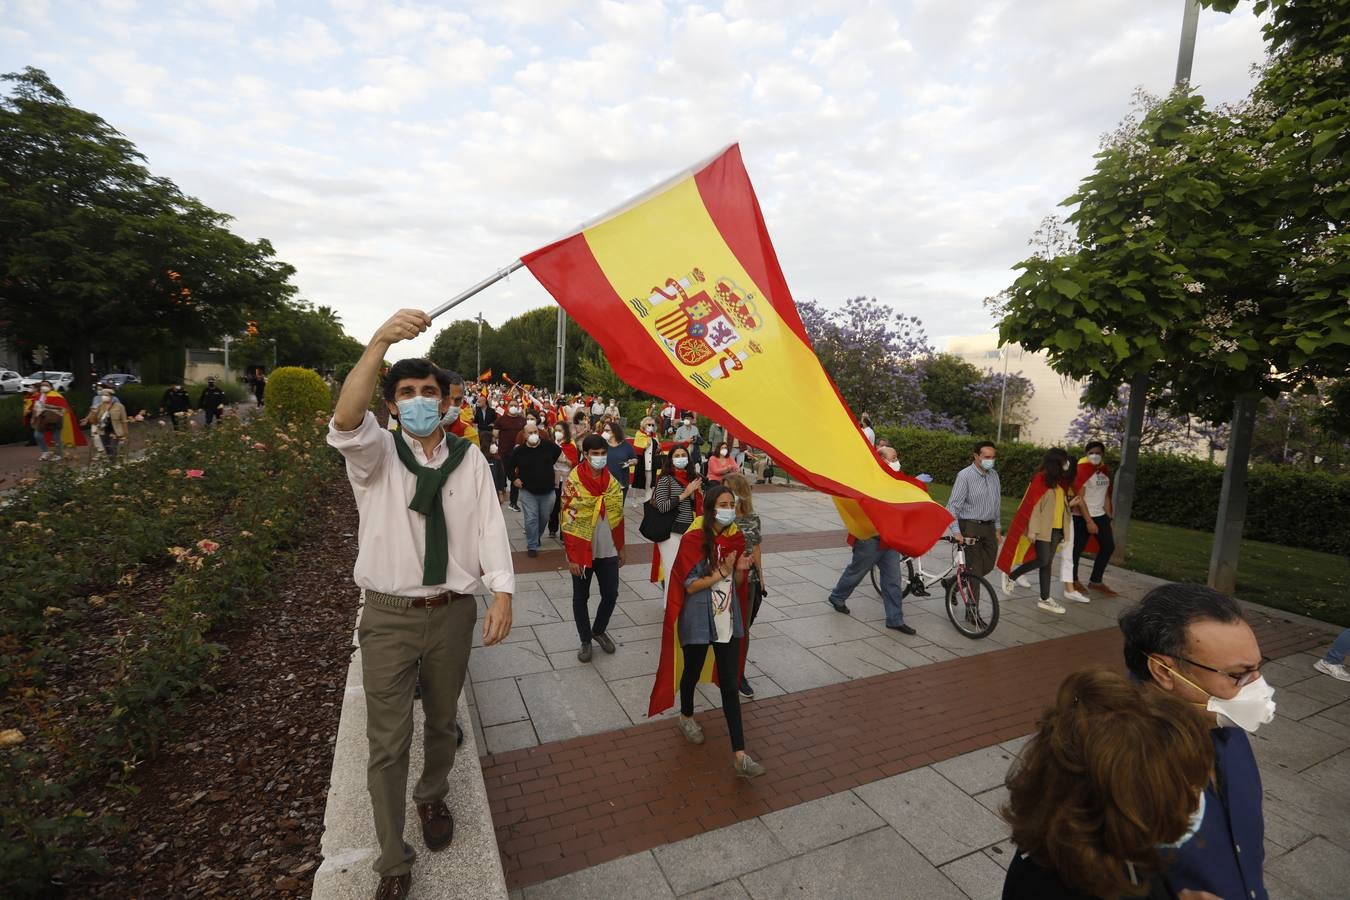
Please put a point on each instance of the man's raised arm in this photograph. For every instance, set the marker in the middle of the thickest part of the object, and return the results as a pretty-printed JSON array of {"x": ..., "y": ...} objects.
[{"x": 354, "y": 398}]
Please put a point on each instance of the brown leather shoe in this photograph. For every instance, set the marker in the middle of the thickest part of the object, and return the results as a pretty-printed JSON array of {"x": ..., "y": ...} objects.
[
  {"x": 1099, "y": 588},
  {"x": 437, "y": 826},
  {"x": 394, "y": 887},
  {"x": 1079, "y": 587}
]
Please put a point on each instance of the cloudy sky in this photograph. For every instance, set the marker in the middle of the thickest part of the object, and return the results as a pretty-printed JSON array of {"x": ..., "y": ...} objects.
[{"x": 397, "y": 152}]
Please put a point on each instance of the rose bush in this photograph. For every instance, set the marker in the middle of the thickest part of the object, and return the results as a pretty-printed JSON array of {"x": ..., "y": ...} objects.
[{"x": 114, "y": 580}]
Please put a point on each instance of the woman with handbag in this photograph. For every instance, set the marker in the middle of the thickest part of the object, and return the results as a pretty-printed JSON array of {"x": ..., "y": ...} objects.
[
  {"x": 706, "y": 610},
  {"x": 747, "y": 520},
  {"x": 676, "y": 491},
  {"x": 562, "y": 467}
]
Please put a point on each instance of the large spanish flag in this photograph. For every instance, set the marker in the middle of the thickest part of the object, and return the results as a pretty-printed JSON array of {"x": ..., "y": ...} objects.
[{"x": 683, "y": 291}]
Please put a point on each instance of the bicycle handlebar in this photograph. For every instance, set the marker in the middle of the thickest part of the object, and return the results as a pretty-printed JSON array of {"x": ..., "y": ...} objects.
[{"x": 961, "y": 540}]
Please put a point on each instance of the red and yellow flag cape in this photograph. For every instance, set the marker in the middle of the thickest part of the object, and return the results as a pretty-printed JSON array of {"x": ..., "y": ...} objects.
[
  {"x": 1017, "y": 549},
  {"x": 71, "y": 434},
  {"x": 731, "y": 542},
  {"x": 683, "y": 291},
  {"x": 1085, "y": 471}
]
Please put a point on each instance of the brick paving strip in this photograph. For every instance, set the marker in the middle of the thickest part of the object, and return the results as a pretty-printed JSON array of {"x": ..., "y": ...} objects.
[{"x": 569, "y": 805}]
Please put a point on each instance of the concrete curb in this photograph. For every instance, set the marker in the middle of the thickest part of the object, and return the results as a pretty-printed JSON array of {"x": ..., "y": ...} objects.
[{"x": 470, "y": 868}]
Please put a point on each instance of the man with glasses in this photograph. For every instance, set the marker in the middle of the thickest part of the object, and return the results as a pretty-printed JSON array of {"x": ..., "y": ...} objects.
[{"x": 1193, "y": 641}]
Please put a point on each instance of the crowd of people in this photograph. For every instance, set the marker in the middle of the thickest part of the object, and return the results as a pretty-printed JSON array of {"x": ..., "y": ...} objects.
[{"x": 1133, "y": 786}]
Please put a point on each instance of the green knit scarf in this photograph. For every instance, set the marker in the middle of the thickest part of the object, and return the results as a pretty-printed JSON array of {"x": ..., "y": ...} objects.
[{"x": 427, "y": 501}]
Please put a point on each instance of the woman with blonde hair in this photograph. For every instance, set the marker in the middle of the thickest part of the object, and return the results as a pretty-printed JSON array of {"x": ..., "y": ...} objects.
[{"x": 1113, "y": 779}]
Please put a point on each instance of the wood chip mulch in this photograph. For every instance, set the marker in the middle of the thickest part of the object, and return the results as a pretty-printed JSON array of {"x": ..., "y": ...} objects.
[{"x": 233, "y": 805}]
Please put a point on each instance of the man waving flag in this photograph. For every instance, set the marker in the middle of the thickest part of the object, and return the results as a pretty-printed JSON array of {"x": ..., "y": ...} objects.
[{"x": 683, "y": 291}]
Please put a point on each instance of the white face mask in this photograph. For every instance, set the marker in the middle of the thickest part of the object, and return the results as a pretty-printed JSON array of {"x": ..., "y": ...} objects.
[
  {"x": 598, "y": 462},
  {"x": 722, "y": 452},
  {"x": 1066, "y": 465},
  {"x": 687, "y": 423},
  {"x": 894, "y": 464},
  {"x": 531, "y": 421},
  {"x": 725, "y": 516},
  {"x": 680, "y": 462},
  {"x": 649, "y": 428},
  {"x": 557, "y": 435},
  {"x": 515, "y": 410},
  {"x": 1095, "y": 459},
  {"x": 607, "y": 435},
  {"x": 1253, "y": 706},
  {"x": 493, "y": 449},
  {"x": 532, "y": 440},
  {"x": 1197, "y": 819}
]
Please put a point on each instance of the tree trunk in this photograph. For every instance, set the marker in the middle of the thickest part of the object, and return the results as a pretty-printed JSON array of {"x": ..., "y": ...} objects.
[
  {"x": 1123, "y": 495},
  {"x": 1223, "y": 559}
]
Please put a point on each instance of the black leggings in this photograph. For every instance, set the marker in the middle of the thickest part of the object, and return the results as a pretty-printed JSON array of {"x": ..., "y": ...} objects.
[
  {"x": 1045, "y": 558},
  {"x": 1106, "y": 545},
  {"x": 728, "y": 659}
]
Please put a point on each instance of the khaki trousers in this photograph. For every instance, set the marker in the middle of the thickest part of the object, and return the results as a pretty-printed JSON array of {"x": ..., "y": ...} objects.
[{"x": 392, "y": 641}]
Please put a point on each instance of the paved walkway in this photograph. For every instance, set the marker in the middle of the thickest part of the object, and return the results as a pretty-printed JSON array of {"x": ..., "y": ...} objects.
[{"x": 886, "y": 753}]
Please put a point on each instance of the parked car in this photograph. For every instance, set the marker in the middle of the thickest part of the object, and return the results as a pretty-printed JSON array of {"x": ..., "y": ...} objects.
[
  {"x": 60, "y": 380},
  {"x": 11, "y": 382},
  {"x": 117, "y": 379}
]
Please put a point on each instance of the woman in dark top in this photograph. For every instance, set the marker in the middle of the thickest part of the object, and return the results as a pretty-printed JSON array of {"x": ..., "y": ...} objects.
[
  {"x": 622, "y": 456},
  {"x": 1114, "y": 777},
  {"x": 679, "y": 489}
]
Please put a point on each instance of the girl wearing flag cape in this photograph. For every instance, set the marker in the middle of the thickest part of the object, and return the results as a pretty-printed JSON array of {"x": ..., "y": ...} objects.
[
  {"x": 707, "y": 607},
  {"x": 1038, "y": 527}
]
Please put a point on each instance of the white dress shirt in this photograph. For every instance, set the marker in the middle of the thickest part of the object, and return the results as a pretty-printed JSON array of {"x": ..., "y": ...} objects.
[{"x": 392, "y": 536}]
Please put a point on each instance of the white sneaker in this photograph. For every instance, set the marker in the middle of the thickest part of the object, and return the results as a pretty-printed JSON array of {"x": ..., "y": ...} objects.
[
  {"x": 1335, "y": 670},
  {"x": 1008, "y": 586},
  {"x": 1051, "y": 606},
  {"x": 1076, "y": 597},
  {"x": 1024, "y": 581}
]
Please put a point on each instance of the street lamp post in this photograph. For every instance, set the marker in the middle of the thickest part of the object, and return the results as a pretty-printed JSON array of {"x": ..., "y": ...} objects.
[
  {"x": 1003, "y": 397},
  {"x": 479, "y": 357}
]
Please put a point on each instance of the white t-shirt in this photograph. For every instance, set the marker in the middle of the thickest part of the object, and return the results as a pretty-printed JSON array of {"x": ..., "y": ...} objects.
[
  {"x": 1094, "y": 493},
  {"x": 870, "y": 435}
]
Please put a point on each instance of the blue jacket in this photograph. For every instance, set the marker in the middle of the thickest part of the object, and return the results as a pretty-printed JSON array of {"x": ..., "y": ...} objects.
[{"x": 1227, "y": 854}]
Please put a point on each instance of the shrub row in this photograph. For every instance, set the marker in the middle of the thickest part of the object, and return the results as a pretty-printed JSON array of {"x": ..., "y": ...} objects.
[
  {"x": 189, "y": 521},
  {"x": 1286, "y": 506}
]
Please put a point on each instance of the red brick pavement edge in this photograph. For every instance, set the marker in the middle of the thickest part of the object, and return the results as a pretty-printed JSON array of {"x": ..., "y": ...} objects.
[{"x": 569, "y": 805}]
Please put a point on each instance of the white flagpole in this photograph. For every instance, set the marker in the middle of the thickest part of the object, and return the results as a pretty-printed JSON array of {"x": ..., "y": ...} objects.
[{"x": 591, "y": 223}]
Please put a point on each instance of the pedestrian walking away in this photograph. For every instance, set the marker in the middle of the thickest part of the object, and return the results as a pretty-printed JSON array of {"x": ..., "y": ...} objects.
[
  {"x": 975, "y": 505},
  {"x": 431, "y": 528},
  {"x": 592, "y": 528},
  {"x": 1092, "y": 514},
  {"x": 212, "y": 401},
  {"x": 1038, "y": 527},
  {"x": 677, "y": 488},
  {"x": 707, "y": 610},
  {"x": 1333, "y": 663},
  {"x": 530, "y": 470}
]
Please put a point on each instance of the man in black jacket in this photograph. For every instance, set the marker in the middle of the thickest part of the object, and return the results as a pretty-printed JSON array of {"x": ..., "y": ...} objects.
[
  {"x": 212, "y": 401},
  {"x": 530, "y": 469},
  {"x": 174, "y": 402},
  {"x": 484, "y": 419}
]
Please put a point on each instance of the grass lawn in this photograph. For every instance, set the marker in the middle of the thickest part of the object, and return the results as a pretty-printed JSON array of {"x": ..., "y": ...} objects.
[{"x": 1302, "y": 581}]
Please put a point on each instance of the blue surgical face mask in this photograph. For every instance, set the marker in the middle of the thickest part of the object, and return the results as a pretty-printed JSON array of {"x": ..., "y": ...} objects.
[
  {"x": 1197, "y": 819},
  {"x": 598, "y": 462},
  {"x": 987, "y": 464},
  {"x": 725, "y": 516},
  {"x": 419, "y": 415}
]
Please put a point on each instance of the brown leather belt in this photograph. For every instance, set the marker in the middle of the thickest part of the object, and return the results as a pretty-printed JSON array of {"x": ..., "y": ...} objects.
[{"x": 396, "y": 602}]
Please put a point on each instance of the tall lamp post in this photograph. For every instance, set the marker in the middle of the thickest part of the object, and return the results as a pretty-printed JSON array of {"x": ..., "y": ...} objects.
[
  {"x": 1003, "y": 396},
  {"x": 479, "y": 356}
]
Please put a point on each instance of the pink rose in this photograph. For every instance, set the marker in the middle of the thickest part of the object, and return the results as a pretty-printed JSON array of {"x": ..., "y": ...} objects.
[{"x": 196, "y": 473}]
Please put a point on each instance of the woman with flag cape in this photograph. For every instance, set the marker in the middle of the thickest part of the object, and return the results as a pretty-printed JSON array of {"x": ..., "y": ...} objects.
[
  {"x": 1038, "y": 527},
  {"x": 1092, "y": 512},
  {"x": 707, "y": 607}
]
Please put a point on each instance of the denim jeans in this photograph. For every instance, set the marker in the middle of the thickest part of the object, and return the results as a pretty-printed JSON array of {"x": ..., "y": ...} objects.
[
  {"x": 867, "y": 554},
  {"x": 535, "y": 509},
  {"x": 1339, "y": 648}
]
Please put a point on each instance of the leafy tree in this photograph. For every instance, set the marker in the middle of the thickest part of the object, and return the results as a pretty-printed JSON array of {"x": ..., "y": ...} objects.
[
  {"x": 1014, "y": 403},
  {"x": 305, "y": 336},
  {"x": 870, "y": 350},
  {"x": 523, "y": 347},
  {"x": 456, "y": 347},
  {"x": 596, "y": 376},
  {"x": 969, "y": 399},
  {"x": 1164, "y": 431},
  {"x": 97, "y": 253}
]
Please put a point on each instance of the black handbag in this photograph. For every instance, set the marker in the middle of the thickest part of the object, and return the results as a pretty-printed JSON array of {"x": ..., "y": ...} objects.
[{"x": 656, "y": 525}]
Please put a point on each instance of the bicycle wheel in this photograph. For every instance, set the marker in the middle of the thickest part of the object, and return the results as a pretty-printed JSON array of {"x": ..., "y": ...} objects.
[
  {"x": 876, "y": 580},
  {"x": 972, "y": 605}
]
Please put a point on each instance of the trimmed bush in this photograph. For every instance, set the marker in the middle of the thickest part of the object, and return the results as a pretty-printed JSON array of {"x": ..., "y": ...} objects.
[
  {"x": 295, "y": 394},
  {"x": 1286, "y": 506}
]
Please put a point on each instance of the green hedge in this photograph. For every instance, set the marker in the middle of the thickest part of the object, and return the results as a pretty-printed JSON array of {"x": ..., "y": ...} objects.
[{"x": 1285, "y": 506}]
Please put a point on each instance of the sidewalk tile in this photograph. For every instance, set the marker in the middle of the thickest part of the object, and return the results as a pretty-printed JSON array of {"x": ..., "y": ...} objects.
[
  {"x": 629, "y": 876},
  {"x": 993, "y": 799},
  {"x": 633, "y": 695},
  {"x": 1332, "y": 774},
  {"x": 818, "y": 823},
  {"x": 628, "y": 660},
  {"x": 932, "y": 814},
  {"x": 792, "y": 666},
  {"x": 829, "y": 627},
  {"x": 570, "y": 703},
  {"x": 727, "y": 890},
  {"x": 512, "y": 736},
  {"x": 718, "y": 855},
  {"x": 506, "y": 660},
  {"x": 858, "y": 659},
  {"x": 1294, "y": 746},
  {"x": 558, "y": 636},
  {"x": 1318, "y": 868},
  {"x": 498, "y": 702},
  {"x": 978, "y": 770},
  {"x": 977, "y": 875},
  {"x": 896, "y": 648},
  {"x": 876, "y": 864}
]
